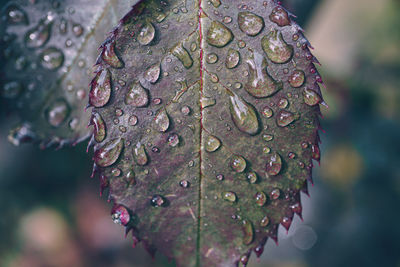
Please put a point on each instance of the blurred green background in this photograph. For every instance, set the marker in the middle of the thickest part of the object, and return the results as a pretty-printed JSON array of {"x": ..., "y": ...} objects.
[{"x": 51, "y": 214}]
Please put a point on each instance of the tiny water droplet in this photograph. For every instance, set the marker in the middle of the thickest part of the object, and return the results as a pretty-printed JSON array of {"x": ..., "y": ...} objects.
[
  {"x": 214, "y": 77},
  {"x": 297, "y": 78},
  {"x": 264, "y": 221},
  {"x": 277, "y": 50},
  {"x": 137, "y": 96},
  {"x": 57, "y": 112},
  {"x": 250, "y": 23},
  {"x": 232, "y": 58},
  {"x": 284, "y": 118},
  {"x": 267, "y": 112},
  {"x": 283, "y": 103},
  {"x": 173, "y": 140},
  {"x": 315, "y": 153},
  {"x": 268, "y": 137},
  {"x": 184, "y": 183},
  {"x": 261, "y": 198},
  {"x": 252, "y": 177},
  {"x": 266, "y": 150},
  {"x": 238, "y": 163},
  {"x": 120, "y": 215},
  {"x": 275, "y": 194},
  {"x": 116, "y": 172},
  {"x": 248, "y": 232},
  {"x": 219, "y": 177},
  {"x": 157, "y": 201},
  {"x": 109, "y": 153},
  {"x": 212, "y": 143},
  {"x": 77, "y": 29},
  {"x": 274, "y": 164},
  {"x": 185, "y": 110},
  {"x": 152, "y": 73},
  {"x": 139, "y": 153},
  {"x": 218, "y": 34},
  {"x": 211, "y": 58},
  {"x": 229, "y": 196},
  {"x": 51, "y": 58}
]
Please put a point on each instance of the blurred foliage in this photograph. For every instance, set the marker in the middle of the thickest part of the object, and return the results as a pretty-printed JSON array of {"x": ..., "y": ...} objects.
[{"x": 349, "y": 219}]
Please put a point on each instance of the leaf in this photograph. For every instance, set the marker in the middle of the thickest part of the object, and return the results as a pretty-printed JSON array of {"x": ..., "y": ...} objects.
[
  {"x": 211, "y": 151},
  {"x": 48, "y": 50}
]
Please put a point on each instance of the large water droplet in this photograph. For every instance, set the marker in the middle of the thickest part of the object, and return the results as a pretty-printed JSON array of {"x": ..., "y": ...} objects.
[
  {"x": 140, "y": 155},
  {"x": 51, "y": 58},
  {"x": 109, "y": 153},
  {"x": 100, "y": 91},
  {"x": 161, "y": 121},
  {"x": 120, "y": 215},
  {"x": 229, "y": 196},
  {"x": 279, "y": 16},
  {"x": 137, "y": 96},
  {"x": 211, "y": 58},
  {"x": 157, "y": 201},
  {"x": 183, "y": 55},
  {"x": 274, "y": 164},
  {"x": 146, "y": 34},
  {"x": 15, "y": 15},
  {"x": 110, "y": 57},
  {"x": 250, "y": 23},
  {"x": 152, "y": 73},
  {"x": 99, "y": 127},
  {"x": 311, "y": 97},
  {"x": 218, "y": 34},
  {"x": 238, "y": 163},
  {"x": 261, "y": 198},
  {"x": 277, "y": 50},
  {"x": 57, "y": 112},
  {"x": 232, "y": 58},
  {"x": 212, "y": 143},
  {"x": 260, "y": 83},
  {"x": 248, "y": 232},
  {"x": 297, "y": 78},
  {"x": 284, "y": 118},
  {"x": 243, "y": 114},
  {"x": 40, "y": 34}
]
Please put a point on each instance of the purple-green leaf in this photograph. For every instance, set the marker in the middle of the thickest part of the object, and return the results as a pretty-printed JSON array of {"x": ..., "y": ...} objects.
[{"x": 223, "y": 145}]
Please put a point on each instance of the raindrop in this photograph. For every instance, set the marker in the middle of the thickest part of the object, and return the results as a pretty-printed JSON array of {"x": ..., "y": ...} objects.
[
  {"x": 157, "y": 201},
  {"x": 183, "y": 55},
  {"x": 40, "y": 34},
  {"x": 284, "y": 118},
  {"x": 184, "y": 183},
  {"x": 297, "y": 78},
  {"x": 212, "y": 143},
  {"x": 77, "y": 29},
  {"x": 100, "y": 91},
  {"x": 268, "y": 137},
  {"x": 243, "y": 115},
  {"x": 277, "y": 50},
  {"x": 140, "y": 155},
  {"x": 283, "y": 103},
  {"x": 173, "y": 140},
  {"x": 146, "y": 34},
  {"x": 261, "y": 198},
  {"x": 211, "y": 58},
  {"x": 109, "y": 153},
  {"x": 161, "y": 121},
  {"x": 238, "y": 163},
  {"x": 207, "y": 102},
  {"x": 311, "y": 97},
  {"x": 264, "y": 221},
  {"x": 120, "y": 215},
  {"x": 248, "y": 232},
  {"x": 15, "y": 15},
  {"x": 229, "y": 196},
  {"x": 232, "y": 58},
  {"x": 99, "y": 127},
  {"x": 279, "y": 16},
  {"x": 252, "y": 177},
  {"x": 51, "y": 58},
  {"x": 116, "y": 172},
  {"x": 57, "y": 112},
  {"x": 275, "y": 194},
  {"x": 137, "y": 96},
  {"x": 218, "y": 34},
  {"x": 250, "y": 23},
  {"x": 267, "y": 112},
  {"x": 274, "y": 164},
  {"x": 215, "y": 3},
  {"x": 152, "y": 73},
  {"x": 315, "y": 153},
  {"x": 185, "y": 110},
  {"x": 110, "y": 57},
  {"x": 133, "y": 120}
]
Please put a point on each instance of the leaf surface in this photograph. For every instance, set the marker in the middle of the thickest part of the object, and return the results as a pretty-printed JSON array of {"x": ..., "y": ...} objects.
[{"x": 205, "y": 126}]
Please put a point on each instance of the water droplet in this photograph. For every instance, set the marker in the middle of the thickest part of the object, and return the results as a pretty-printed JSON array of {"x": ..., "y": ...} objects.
[
  {"x": 77, "y": 29},
  {"x": 274, "y": 164},
  {"x": 11, "y": 89},
  {"x": 277, "y": 50},
  {"x": 193, "y": 47},
  {"x": 283, "y": 103},
  {"x": 139, "y": 153},
  {"x": 137, "y": 95},
  {"x": 40, "y": 34},
  {"x": 161, "y": 121},
  {"x": 266, "y": 150},
  {"x": 157, "y": 201},
  {"x": 260, "y": 84},
  {"x": 268, "y": 137},
  {"x": 100, "y": 91},
  {"x": 227, "y": 19},
  {"x": 15, "y": 15},
  {"x": 291, "y": 155},
  {"x": 99, "y": 127},
  {"x": 120, "y": 215},
  {"x": 243, "y": 261},
  {"x": 185, "y": 110},
  {"x": 243, "y": 115},
  {"x": 267, "y": 112},
  {"x": 211, "y": 58},
  {"x": 207, "y": 102},
  {"x": 110, "y": 57},
  {"x": 184, "y": 183},
  {"x": 279, "y": 16},
  {"x": 173, "y": 140},
  {"x": 238, "y": 163},
  {"x": 311, "y": 97},
  {"x": 232, "y": 58},
  {"x": 212, "y": 143},
  {"x": 252, "y": 177},
  {"x": 215, "y": 3},
  {"x": 237, "y": 85},
  {"x": 229, "y": 196},
  {"x": 250, "y": 23},
  {"x": 315, "y": 153},
  {"x": 183, "y": 55},
  {"x": 146, "y": 34},
  {"x": 275, "y": 194},
  {"x": 152, "y": 73},
  {"x": 248, "y": 232},
  {"x": 57, "y": 112},
  {"x": 286, "y": 222},
  {"x": 261, "y": 198},
  {"x": 218, "y": 34},
  {"x": 122, "y": 129},
  {"x": 51, "y": 58},
  {"x": 284, "y": 118},
  {"x": 264, "y": 221},
  {"x": 297, "y": 78},
  {"x": 109, "y": 153}
]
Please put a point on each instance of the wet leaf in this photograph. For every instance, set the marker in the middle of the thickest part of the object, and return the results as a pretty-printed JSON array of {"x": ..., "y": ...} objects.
[
  {"x": 224, "y": 144},
  {"x": 47, "y": 52}
]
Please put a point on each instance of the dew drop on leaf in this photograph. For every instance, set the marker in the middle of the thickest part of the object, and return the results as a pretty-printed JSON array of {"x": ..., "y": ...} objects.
[
  {"x": 275, "y": 47},
  {"x": 218, "y": 34},
  {"x": 250, "y": 23},
  {"x": 274, "y": 164},
  {"x": 109, "y": 153},
  {"x": 100, "y": 91}
]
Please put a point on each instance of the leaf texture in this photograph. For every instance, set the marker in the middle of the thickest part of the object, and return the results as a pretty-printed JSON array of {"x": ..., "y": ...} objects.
[{"x": 205, "y": 126}]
